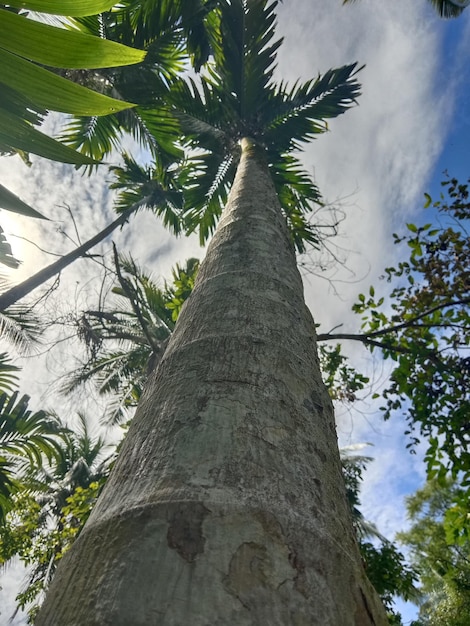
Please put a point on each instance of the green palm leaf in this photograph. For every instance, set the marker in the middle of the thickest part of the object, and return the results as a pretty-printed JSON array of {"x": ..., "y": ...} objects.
[
  {"x": 59, "y": 47},
  {"x": 73, "y": 8},
  {"x": 244, "y": 57},
  {"x": 26, "y": 438},
  {"x": 298, "y": 115},
  {"x": 24, "y": 433},
  {"x": 17, "y": 134},
  {"x": 51, "y": 91},
  {"x": 8, "y": 377},
  {"x": 206, "y": 182}
]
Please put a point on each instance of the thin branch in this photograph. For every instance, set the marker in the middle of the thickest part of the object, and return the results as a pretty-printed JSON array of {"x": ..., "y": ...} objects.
[{"x": 394, "y": 329}]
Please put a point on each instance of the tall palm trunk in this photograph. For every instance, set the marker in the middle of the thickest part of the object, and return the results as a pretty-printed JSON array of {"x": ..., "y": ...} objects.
[{"x": 227, "y": 505}]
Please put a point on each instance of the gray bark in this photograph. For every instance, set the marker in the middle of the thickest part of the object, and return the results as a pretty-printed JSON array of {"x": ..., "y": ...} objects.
[{"x": 227, "y": 505}]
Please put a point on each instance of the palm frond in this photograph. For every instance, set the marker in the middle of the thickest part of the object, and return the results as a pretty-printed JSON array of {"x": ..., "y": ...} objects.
[
  {"x": 201, "y": 113},
  {"x": 298, "y": 195},
  {"x": 300, "y": 114},
  {"x": 244, "y": 55},
  {"x": 206, "y": 182},
  {"x": 8, "y": 377},
  {"x": 24, "y": 433},
  {"x": 20, "y": 327},
  {"x": 153, "y": 188},
  {"x": 92, "y": 136}
]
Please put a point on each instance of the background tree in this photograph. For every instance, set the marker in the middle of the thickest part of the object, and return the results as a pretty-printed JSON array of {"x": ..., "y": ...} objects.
[
  {"x": 423, "y": 328},
  {"x": 443, "y": 565},
  {"x": 126, "y": 336},
  {"x": 385, "y": 565}
]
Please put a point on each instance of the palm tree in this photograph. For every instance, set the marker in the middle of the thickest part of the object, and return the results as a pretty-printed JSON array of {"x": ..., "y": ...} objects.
[
  {"x": 445, "y": 8},
  {"x": 156, "y": 191},
  {"x": 27, "y": 438},
  {"x": 227, "y": 504},
  {"x": 126, "y": 338}
]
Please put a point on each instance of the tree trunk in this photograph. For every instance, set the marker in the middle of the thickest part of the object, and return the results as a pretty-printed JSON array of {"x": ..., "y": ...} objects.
[
  {"x": 27, "y": 286},
  {"x": 227, "y": 504}
]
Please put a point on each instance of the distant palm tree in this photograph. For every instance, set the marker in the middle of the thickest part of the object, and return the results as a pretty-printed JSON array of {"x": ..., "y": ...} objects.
[{"x": 126, "y": 338}]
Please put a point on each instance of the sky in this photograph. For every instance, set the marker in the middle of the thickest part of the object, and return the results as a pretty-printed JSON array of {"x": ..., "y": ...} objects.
[{"x": 412, "y": 123}]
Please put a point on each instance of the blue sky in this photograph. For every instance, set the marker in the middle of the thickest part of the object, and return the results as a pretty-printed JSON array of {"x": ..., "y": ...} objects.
[{"x": 412, "y": 122}]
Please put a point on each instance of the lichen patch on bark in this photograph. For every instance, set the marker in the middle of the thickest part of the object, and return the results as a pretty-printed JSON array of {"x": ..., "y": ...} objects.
[
  {"x": 248, "y": 570},
  {"x": 185, "y": 529}
]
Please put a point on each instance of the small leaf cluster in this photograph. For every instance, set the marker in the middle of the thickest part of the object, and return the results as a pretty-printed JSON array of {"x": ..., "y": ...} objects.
[{"x": 341, "y": 379}]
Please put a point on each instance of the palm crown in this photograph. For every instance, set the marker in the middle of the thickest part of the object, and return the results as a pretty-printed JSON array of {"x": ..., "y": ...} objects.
[
  {"x": 237, "y": 97},
  {"x": 192, "y": 127}
]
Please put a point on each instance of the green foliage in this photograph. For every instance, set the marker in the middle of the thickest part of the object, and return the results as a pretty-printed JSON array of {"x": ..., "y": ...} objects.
[
  {"x": 389, "y": 573},
  {"x": 151, "y": 187},
  {"x": 177, "y": 292},
  {"x": 427, "y": 333},
  {"x": 443, "y": 565},
  {"x": 29, "y": 90},
  {"x": 27, "y": 438},
  {"x": 44, "y": 519},
  {"x": 169, "y": 31}
]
